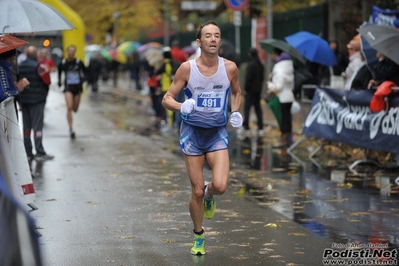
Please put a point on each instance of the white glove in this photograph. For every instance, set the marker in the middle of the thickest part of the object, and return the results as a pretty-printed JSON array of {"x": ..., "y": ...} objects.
[
  {"x": 187, "y": 107},
  {"x": 236, "y": 119}
]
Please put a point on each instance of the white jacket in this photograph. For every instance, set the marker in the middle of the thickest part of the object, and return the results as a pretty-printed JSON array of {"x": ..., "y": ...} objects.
[{"x": 283, "y": 81}]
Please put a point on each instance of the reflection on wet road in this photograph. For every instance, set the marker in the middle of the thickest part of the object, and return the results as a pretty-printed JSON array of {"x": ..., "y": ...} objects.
[{"x": 324, "y": 197}]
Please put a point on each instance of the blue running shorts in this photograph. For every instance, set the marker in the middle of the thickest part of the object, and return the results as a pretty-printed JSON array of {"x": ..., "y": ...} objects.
[{"x": 199, "y": 140}]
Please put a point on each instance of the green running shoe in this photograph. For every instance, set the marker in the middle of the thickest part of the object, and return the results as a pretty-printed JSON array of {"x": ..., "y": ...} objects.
[
  {"x": 198, "y": 245},
  {"x": 209, "y": 206}
]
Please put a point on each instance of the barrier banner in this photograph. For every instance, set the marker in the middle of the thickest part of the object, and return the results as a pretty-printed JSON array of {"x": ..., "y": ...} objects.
[
  {"x": 16, "y": 157},
  {"x": 345, "y": 116},
  {"x": 386, "y": 17},
  {"x": 19, "y": 243}
]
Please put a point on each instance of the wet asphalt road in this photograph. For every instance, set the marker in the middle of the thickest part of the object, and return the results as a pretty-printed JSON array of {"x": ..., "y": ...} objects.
[{"x": 118, "y": 195}]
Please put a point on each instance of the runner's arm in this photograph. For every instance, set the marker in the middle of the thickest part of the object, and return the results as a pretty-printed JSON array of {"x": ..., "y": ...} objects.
[
  {"x": 232, "y": 72},
  {"x": 179, "y": 82}
]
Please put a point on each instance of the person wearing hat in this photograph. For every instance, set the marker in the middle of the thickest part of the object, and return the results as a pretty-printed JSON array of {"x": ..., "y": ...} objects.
[{"x": 9, "y": 87}]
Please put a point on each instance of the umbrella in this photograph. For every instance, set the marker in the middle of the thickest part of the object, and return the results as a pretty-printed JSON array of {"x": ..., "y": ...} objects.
[
  {"x": 154, "y": 57},
  {"x": 113, "y": 54},
  {"x": 26, "y": 16},
  {"x": 313, "y": 48},
  {"x": 369, "y": 53},
  {"x": 269, "y": 44},
  {"x": 148, "y": 46},
  {"x": 189, "y": 50},
  {"x": 9, "y": 42},
  {"x": 144, "y": 47},
  {"x": 128, "y": 47},
  {"x": 383, "y": 39},
  {"x": 274, "y": 104}
]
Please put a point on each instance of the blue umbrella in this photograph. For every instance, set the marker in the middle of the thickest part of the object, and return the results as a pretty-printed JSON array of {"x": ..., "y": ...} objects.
[{"x": 312, "y": 47}]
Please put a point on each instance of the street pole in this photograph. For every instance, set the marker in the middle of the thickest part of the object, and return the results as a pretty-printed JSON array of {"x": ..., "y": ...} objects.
[
  {"x": 166, "y": 24},
  {"x": 237, "y": 24},
  {"x": 269, "y": 32}
]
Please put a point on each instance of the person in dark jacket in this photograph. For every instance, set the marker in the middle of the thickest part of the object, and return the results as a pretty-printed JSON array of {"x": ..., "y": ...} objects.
[
  {"x": 32, "y": 102},
  {"x": 94, "y": 71},
  {"x": 253, "y": 88},
  {"x": 362, "y": 76}
]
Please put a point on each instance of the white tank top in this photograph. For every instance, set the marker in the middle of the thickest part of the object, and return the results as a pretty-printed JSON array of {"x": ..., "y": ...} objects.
[{"x": 211, "y": 96}]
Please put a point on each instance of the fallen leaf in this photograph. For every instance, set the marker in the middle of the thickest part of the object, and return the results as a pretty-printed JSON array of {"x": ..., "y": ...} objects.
[
  {"x": 304, "y": 191},
  {"x": 241, "y": 191},
  {"x": 272, "y": 225},
  {"x": 128, "y": 237},
  {"x": 168, "y": 241},
  {"x": 345, "y": 185},
  {"x": 92, "y": 202},
  {"x": 297, "y": 234}
]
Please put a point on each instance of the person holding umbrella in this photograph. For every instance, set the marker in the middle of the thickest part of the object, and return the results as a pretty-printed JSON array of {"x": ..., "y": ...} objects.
[
  {"x": 282, "y": 84},
  {"x": 8, "y": 86}
]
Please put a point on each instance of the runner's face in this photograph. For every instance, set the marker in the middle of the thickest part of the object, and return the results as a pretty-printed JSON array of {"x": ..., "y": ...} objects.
[
  {"x": 210, "y": 39},
  {"x": 71, "y": 52}
]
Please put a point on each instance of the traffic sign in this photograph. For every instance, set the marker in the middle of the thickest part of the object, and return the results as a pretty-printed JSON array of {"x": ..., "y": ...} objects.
[
  {"x": 198, "y": 5},
  {"x": 237, "y": 5}
]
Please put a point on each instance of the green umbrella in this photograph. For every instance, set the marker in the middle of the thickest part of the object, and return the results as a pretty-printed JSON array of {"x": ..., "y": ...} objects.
[
  {"x": 106, "y": 55},
  {"x": 275, "y": 105},
  {"x": 269, "y": 44}
]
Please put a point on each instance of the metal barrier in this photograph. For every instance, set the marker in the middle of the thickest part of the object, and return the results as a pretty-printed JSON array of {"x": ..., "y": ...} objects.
[
  {"x": 13, "y": 160},
  {"x": 309, "y": 89}
]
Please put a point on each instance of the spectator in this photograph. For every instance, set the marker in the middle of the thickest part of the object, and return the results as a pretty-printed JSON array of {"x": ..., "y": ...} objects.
[
  {"x": 177, "y": 53},
  {"x": 282, "y": 83},
  {"x": 22, "y": 56},
  {"x": 355, "y": 62},
  {"x": 166, "y": 73},
  {"x": 8, "y": 87},
  {"x": 45, "y": 59},
  {"x": 134, "y": 67},
  {"x": 94, "y": 71},
  {"x": 384, "y": 70},
  {"x": 32, "y": 102},
  {"x": 332, "y": 75},
  {"x": 361, "y": 77},
  {"x": 254, "y": 77},
  {"x": 342, "y": 61}
]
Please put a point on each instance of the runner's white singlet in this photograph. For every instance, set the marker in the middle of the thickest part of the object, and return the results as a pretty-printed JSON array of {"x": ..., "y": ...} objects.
[{"x": 210, "y": 95}]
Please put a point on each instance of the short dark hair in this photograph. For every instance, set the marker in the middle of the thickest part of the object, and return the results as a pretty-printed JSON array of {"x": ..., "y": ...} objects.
[
  {"x": 277, "y": 51},
  {"x": 253, "y": 52},
  {"x": 199, "y": 31}
]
